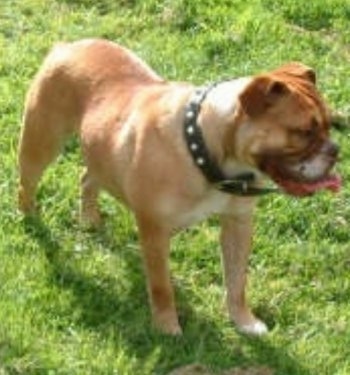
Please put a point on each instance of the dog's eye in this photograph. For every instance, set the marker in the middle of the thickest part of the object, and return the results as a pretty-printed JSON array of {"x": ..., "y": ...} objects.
[
  {"x": 304, "y": 133},
  {"x": 308, "y": 133},
  {"x": 312, "y": 130}
]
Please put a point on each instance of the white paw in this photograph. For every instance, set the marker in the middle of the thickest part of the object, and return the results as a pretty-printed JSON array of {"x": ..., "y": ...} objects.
[{"x": 256, "y": 328}]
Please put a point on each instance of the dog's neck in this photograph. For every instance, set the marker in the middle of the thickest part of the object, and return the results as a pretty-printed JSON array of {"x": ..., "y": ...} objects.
[
  {"x": 218, "y": 111},
  {"x": 217, "y": 114},
  {"x": 208, "y": 113}
]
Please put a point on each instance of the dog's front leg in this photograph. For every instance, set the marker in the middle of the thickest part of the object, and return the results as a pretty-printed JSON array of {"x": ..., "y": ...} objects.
[
  {"x": 236, "y": 237},
  {"x": 155, "y": 244}
]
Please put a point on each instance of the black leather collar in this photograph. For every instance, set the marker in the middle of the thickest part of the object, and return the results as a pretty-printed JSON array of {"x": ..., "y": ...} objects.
[{"x": 240, "y": 184}]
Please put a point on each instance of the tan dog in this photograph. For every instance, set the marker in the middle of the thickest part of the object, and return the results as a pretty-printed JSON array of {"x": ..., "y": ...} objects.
[{"x": 131, "y": 125}]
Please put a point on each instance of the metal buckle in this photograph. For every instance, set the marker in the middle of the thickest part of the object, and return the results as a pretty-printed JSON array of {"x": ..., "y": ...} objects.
[{"x": 242, "y": 188}]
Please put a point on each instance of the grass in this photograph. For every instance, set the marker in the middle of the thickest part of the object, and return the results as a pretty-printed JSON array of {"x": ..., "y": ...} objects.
[{"x": 73, "y": 302}]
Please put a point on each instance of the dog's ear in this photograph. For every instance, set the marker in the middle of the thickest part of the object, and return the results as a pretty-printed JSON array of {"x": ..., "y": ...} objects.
[
  {"x": 261, "y": 94},
  {"x": 299, "y": 70}
]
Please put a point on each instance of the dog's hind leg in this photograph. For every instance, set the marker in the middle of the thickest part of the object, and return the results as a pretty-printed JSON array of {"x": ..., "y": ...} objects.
[
  {"x": 89, "y": 211},
  {"x": 40, "y": 143}
]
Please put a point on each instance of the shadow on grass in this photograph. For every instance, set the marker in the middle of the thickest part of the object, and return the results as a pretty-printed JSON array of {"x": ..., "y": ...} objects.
[{"x": 125, "y": 318}]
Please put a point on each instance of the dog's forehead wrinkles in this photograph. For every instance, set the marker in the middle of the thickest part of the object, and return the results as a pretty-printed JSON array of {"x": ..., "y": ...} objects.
[
  {"x": 318, "y": 115},
  {"x": 313, "y": 100},
  {"x": 223, "y": 98},
  {"x": 308, "y": 108}
]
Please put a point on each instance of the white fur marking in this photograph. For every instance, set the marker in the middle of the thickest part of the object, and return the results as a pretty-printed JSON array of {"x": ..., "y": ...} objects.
[
  {"x": 313, "y": 168},
  {"x": 224, "y": 96},
  {"x": 257, "y": 328}
]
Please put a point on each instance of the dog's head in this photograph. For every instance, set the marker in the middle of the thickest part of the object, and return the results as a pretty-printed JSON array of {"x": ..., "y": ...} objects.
[{"x": 285, "y": 130}]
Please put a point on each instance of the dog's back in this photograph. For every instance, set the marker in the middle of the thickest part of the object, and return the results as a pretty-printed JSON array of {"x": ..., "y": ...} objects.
[{"x": 74, "y": 72}]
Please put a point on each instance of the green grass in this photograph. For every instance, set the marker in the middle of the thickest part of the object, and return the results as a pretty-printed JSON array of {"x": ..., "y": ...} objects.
[{"x": 73, "y": 302}]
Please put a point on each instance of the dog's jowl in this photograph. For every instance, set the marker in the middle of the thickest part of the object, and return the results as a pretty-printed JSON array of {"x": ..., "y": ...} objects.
[{"x": 175, "y": 153}]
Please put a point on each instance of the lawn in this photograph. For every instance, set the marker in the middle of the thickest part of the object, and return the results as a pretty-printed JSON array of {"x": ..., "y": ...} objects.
[{"x": 73, "y": 301}]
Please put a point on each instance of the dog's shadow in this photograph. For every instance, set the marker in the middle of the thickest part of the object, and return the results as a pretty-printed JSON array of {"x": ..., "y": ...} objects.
[{"x": 127, "y": 318}]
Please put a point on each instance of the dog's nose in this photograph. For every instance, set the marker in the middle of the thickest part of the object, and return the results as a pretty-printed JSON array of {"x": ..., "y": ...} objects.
[{"x": 332, "y": 149}]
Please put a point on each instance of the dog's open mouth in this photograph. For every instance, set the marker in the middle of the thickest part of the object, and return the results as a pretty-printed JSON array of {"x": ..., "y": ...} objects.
[{"x": 301, "y": 188}]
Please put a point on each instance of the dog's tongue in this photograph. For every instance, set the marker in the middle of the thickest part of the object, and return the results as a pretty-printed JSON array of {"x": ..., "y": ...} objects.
[{"x": 331, "y": 182}]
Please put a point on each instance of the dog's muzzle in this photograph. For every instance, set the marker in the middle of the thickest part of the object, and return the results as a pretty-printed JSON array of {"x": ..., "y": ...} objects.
[
  {"x": 305, "y": 177},
  {"x": 318, "y": 166}
]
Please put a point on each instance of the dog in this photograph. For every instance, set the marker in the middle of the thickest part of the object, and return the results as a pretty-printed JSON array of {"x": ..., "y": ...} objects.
[{"x": 175, "y": 153}]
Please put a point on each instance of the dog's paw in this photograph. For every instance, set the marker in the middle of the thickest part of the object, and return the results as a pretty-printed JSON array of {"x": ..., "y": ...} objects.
[
  {"x": 247, "y": 323},
  {"x": 168, "y": 324},
  {"x": 91, "y": 219},
  {"x": 173, "y": 330},
  {"x": 25, "y": 203},
  {"x": 255, "y": 328}
]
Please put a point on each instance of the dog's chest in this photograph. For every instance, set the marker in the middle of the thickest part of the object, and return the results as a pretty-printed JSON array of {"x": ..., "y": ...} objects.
[{"x": 214, "y": 202}]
